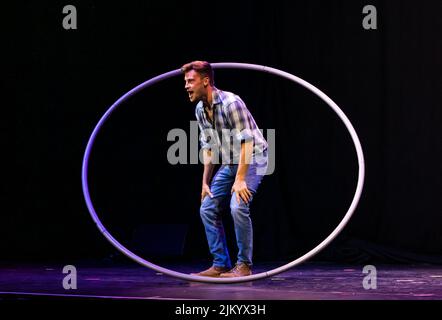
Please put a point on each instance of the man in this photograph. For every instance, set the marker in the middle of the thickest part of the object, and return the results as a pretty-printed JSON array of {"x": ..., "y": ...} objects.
[{"x": 228, "y": 127}]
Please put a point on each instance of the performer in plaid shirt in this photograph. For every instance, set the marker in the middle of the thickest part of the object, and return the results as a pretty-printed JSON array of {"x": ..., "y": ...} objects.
[{"x": 229, "y": 132}]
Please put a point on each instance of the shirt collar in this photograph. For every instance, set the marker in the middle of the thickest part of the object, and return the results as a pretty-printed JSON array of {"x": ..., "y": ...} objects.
[{"x": 216, "y": 97}]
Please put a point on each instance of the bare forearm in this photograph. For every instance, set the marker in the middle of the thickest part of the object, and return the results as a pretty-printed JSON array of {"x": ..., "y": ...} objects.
[
  {"x": 208, "y": 167},
  {"x": 244, "y": 160}
]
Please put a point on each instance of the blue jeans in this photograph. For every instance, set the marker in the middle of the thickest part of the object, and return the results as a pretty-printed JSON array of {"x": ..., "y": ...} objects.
[{"x": 211, "y": 209}]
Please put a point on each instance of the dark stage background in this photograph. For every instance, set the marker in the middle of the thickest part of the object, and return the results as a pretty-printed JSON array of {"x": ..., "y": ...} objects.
[{"x": 387, "y": 81}]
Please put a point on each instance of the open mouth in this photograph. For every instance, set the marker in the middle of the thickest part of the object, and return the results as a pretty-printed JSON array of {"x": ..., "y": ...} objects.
[{"x": 190, "y": 93}]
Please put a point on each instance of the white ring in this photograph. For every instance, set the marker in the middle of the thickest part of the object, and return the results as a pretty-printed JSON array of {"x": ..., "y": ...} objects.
[{"x": 183, "y": 276}]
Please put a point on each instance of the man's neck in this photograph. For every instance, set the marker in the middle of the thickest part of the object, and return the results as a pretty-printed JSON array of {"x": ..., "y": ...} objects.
[{"x": 209, "y": 99}]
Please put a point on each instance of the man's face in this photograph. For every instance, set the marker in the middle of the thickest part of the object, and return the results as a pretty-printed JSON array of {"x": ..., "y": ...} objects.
[{"x": 195, "y": 85}]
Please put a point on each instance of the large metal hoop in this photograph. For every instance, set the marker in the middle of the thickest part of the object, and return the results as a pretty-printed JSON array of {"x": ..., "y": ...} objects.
[{"x": 183, "y": 276}]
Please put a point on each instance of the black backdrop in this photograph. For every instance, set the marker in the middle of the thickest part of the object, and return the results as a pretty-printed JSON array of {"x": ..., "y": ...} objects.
[{"x": 387, "y": 81}]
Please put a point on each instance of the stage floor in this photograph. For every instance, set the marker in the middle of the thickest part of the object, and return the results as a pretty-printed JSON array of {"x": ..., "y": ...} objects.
[{"x": 310, "y": 281}]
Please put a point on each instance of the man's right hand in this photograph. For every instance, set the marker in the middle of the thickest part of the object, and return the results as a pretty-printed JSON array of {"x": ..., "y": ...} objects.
[{"x": 205, "y": 191}]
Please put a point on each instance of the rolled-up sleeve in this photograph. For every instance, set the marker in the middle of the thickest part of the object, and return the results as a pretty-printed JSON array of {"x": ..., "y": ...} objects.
[
  {"x": 205, "y": 138},
  {"x": 239, "y": 118}
]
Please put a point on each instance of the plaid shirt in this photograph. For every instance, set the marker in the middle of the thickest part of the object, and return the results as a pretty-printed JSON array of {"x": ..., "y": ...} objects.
[{"x": 232, "y": 124}]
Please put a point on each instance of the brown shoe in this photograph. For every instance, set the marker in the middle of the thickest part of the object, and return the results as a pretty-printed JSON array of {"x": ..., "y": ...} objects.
[
  {"x": 240, "y": 270},
  {"x": 213, "y": 271}
]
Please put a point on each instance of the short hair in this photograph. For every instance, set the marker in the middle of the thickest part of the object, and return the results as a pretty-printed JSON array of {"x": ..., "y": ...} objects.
[{"x": 202, "y": 67}]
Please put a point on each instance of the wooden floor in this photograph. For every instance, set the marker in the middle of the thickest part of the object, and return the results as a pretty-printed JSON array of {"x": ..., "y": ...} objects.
[{"x": 310, "y": 281}]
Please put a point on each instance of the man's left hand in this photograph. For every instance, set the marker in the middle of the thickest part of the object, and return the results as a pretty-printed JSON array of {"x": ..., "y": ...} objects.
[{"x": 240, "y": 187}]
